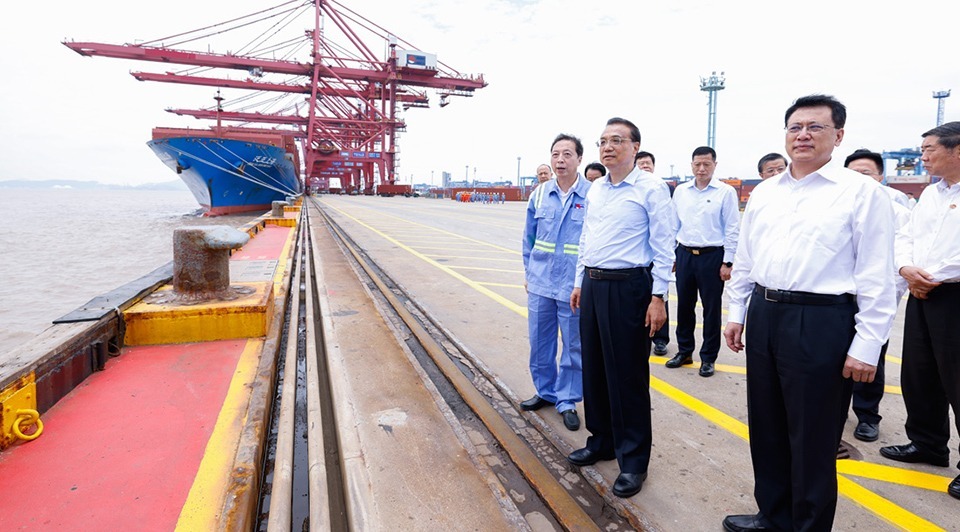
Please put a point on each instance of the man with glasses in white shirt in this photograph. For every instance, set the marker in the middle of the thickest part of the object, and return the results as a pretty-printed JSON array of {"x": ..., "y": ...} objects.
[
  {"x": 814, "y": 260},
  {"x": 771, "y": 164},
  {"x": 626, "y": 254},
  {"x": 928, "y": 257}
]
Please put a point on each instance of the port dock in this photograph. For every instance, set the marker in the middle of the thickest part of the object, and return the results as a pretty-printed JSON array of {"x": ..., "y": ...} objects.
[{"x": 405, "y": 320}]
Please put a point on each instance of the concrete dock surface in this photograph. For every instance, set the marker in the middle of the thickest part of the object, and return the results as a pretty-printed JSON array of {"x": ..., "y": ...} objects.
[{"x": 462, "y": 263}]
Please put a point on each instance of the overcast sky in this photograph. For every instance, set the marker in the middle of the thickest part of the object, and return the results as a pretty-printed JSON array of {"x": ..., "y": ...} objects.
[{"x": 552, "y": 66}]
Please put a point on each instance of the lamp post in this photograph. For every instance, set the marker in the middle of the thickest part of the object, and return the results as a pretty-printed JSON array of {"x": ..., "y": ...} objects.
[{"x": 518, "y": 170}]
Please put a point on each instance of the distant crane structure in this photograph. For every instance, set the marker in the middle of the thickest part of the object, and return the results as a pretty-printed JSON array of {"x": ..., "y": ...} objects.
[
  {"x": 940, "y": 96},
  {"x": 711, "y": 84},
  {"x": 349, "y": 127},
  {"x": 908, "y": 161}
]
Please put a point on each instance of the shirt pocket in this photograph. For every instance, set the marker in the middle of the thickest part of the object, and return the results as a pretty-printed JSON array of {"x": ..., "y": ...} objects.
[{"x": 545, "y": 213}]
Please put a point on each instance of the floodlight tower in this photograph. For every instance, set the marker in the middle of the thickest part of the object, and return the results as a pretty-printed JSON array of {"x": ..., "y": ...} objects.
[
  {"x": 711, "y": 85},
  {"x": 940, "y": 96}
]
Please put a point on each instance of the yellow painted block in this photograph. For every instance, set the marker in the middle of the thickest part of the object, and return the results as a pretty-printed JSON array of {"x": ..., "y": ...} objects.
[
  {"x": 282, "y": 222},
  {"x": 21, "y": 395},
  {"x": 291, "y": 208},
  {"x": 245, "y": 317}
]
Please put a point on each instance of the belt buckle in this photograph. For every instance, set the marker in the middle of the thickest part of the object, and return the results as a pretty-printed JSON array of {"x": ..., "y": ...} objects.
[
  {"x": 767, "y": 291},
  {"x": 695, "y": 251},
  {"x": 594, "y": 274}
]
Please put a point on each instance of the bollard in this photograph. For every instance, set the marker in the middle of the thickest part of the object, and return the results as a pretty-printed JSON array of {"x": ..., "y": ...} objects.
[
  {"x": 277, "y": 207},
  {"x": 201, "y": 260}
]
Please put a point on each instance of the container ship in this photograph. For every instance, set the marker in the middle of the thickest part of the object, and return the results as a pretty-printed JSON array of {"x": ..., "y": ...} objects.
[{"x": 231, "y": 170}]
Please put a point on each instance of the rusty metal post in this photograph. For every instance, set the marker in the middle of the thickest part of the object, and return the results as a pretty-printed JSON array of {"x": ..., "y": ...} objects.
[{"x": 201, "y": 259}]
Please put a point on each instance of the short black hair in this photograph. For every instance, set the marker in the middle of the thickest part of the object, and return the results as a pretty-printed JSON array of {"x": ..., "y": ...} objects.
[
  {"x": 595, "y": 166},
  {"x": 576, "y": 142},
  {"x": 772, "y": 156},
  {"x": 642, "y": 154},
  {"x": 865, "y": 154},
  {"x": 838, "y": 111},
  {"x": 705, "y": 150},
  {"x": 948, "y": 135},
  {"x": 634, "y": 131}
]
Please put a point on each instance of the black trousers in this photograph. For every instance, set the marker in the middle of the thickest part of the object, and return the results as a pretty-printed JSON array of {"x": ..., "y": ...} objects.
[
  {"x": 699, "y": 274},
  {"x": 615, "y": 348},
  {"x": 930, "y": 375},
  {"x": 795, "y": 387}
]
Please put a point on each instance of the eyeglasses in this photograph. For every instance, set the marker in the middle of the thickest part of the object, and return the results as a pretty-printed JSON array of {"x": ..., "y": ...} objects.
[
  {"x": 613, "y": 141},
  {"x": 813, "y": 129}
]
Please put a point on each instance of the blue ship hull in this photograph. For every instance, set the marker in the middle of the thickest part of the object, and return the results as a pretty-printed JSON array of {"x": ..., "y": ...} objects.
[{"x": 229, "y": 175}]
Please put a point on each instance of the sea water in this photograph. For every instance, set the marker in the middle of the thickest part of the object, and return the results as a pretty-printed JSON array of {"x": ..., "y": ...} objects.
[{"x": 61, "y": 247}]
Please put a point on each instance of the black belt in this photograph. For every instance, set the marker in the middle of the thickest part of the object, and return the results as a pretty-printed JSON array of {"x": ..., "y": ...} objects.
[
  {"x": 802, "y": 298},
  {"x": 615, "y": 275},
  {"x": 698, "y": 251}
]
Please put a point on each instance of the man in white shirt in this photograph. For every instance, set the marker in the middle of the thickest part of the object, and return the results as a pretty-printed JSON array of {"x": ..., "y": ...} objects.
[
  {"x": 626, "y": 253},
  {"x": 928, "y": 257},
  {"x": 544, "y": 173},
  {"x": 814, "y": 259},
  {"x": 870, "y": 164},
  {"x": 709, "y": 214},
  {"x": 647, "y": 161},
  {"x": 771, "y": 164},
  {"x": 866, "y": 396}
]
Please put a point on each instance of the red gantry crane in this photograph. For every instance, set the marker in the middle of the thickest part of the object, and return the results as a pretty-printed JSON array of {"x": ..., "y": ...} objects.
[{"x": 341, "y": 102}]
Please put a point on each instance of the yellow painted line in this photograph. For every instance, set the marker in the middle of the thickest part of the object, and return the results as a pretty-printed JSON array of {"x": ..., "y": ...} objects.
[
  {"x": 470, "y": 258},
  {"x": 204, "y": 502},
  {"x": 521, "y": 310},
  {"x": 282, "y": 263},
  {"x": 889, "y": 388},
  {"x": 711, "y": 414},
  {"x": 869, "y": 500},
  {"x": 504, "y": 285},
  {"x": 895, "y": 360},
  {"x": 894, "y": 475},
  {"x": 886, "y": 510},
  {"x": 461, "y": 237},
  {"x": 485, "y": 269},
  {"x": 447, "y": 248}
]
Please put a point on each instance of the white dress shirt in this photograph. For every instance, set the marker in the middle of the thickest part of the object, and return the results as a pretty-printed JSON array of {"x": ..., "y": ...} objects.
[
  {"x": 931, "y": 239},
  {"x": 708, "y": 217},
  {"x": 629, "y": 225},
  {"x": 897, "y": 197},
  {"x": 828, "y": 233}
]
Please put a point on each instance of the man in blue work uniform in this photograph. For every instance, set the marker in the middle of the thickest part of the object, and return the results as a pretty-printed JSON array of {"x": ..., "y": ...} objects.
[{"x": 551, "y": 240}]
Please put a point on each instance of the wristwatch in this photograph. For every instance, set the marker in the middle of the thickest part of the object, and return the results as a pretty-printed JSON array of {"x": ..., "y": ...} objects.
[
  {"x": 660, "y": 296},
  {"x": 728, "y": 264}
]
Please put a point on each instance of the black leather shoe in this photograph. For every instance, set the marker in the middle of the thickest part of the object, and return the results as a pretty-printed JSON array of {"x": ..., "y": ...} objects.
[
  {"x": 571, "y": 420},
  {"x": 679, "y": 360},
  {"x": 739, "y": 523},
  {"x": 706, "y": 369},
  {"x": 912, "y": 454},
  {"x": 628, "y": 484},
  {"x": 585, "y": 457},
  {"x": 867, "y": 431},
  {"x": 954, "y": 488},
  {"x": 659, "y": 348},
  {"x": 534, "y": 403}
]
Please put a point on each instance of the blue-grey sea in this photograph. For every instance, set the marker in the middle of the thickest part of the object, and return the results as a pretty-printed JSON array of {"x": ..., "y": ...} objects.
[{"x": 61, "y": 247}]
